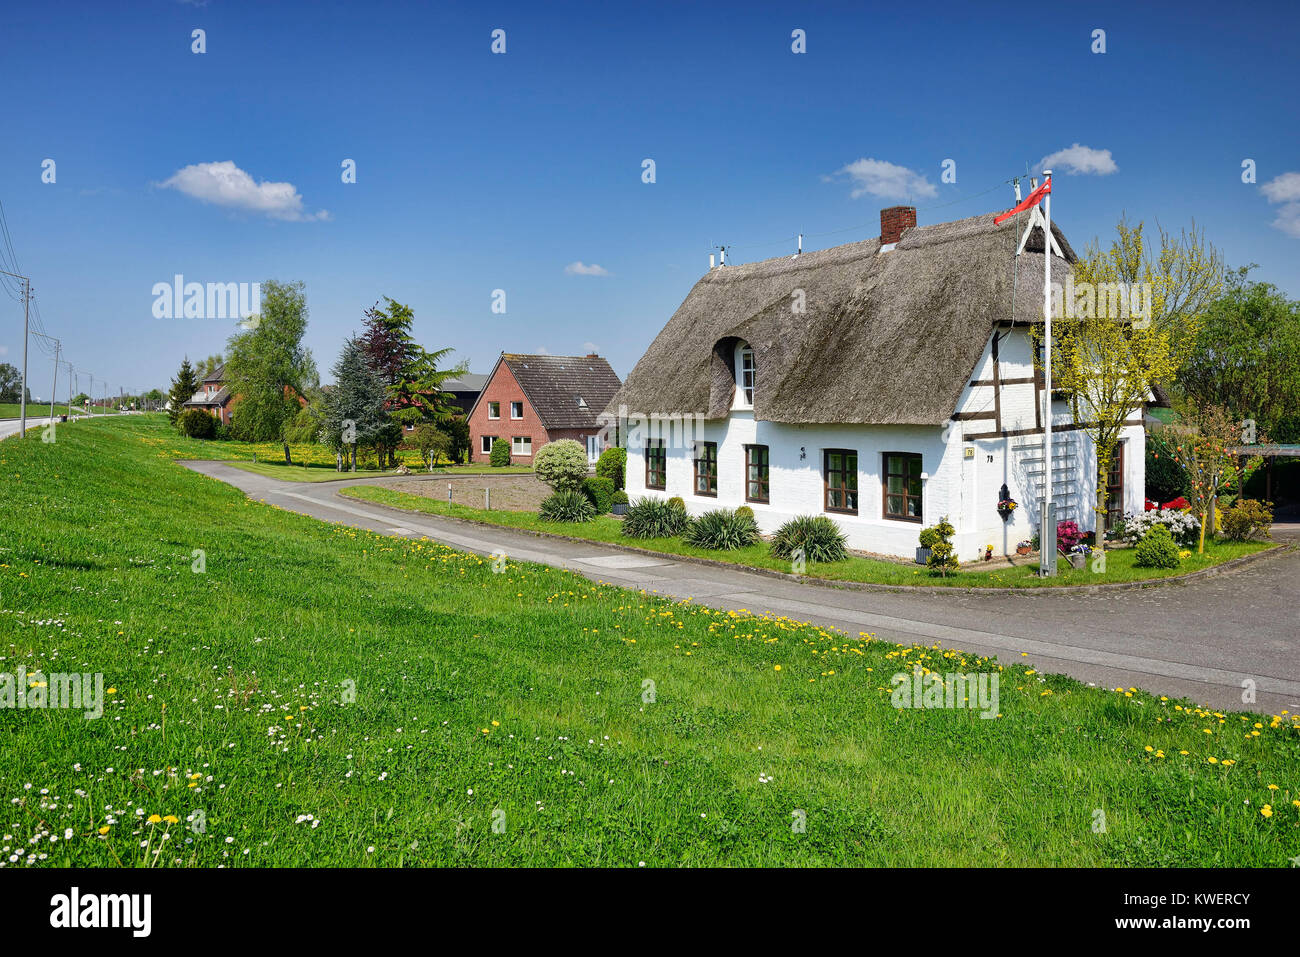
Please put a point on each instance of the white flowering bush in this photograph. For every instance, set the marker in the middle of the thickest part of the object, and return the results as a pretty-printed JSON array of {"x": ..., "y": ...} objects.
[{"x": 1183, "y": 526}]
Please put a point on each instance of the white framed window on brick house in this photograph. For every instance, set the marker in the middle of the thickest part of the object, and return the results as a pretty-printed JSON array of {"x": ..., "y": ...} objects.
[
  {"x": 521, "y": 445},
  {"x": 516, "y": 410},
  {"x": 494, "y": 410},
  {"x": 486, "y": 444}
]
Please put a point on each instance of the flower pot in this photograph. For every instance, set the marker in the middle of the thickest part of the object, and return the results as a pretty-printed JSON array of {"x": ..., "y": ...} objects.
[
  {"x": 922, "y": 556},
  {"x": 1022, "y": 549},
  {"x": 619, "y": 508}
]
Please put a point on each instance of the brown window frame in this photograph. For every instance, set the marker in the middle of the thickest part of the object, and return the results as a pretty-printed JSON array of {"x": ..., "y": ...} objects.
[
  {"x": 766, "y": 481},
  {"x": 885, "y": 493},
  {"x": 844, "y": 489},
  {"x": 661, "y": 456},
  {"x": 711, "y": 475}
]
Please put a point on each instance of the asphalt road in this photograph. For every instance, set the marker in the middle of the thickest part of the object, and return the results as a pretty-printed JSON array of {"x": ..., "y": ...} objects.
[{"x": 1199, "y": 640}]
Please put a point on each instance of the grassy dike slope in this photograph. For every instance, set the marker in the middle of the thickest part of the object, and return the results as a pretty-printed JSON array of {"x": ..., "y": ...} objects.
[{"x": 524, "y": 691}]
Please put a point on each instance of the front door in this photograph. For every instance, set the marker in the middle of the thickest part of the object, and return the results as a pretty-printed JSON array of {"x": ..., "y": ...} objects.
[
  {"x": 1115, "y": 487},
  {"x": 593, "y": 448}
]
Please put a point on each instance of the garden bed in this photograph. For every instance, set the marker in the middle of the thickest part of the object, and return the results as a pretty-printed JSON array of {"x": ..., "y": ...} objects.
[{"x": 854, "y": 570}]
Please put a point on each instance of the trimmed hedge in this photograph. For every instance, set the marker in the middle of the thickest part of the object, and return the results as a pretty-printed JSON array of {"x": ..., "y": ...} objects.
[
  {"x": 612, "y": 464},
  {"x": 600, "y": 492},
  {"x": 500, "y": 456},
  {"x": 1157, "y": 549}
]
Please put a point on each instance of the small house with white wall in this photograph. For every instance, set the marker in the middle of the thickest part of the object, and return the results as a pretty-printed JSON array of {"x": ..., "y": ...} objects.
[{"x": 886, "y": 383}]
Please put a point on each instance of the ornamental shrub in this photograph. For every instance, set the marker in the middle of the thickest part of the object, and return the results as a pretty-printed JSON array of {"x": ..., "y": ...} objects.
[
  {"x": 1068, "y": 535},
  {"x": 620, "y": 498},
  {"x": 197, "y": 424},
  {"x": 500, "y": 456},
  {"x": 722, "y": 528},
  {"x": 1183, "y": 527},
  {"x": 676, "y": 501},
  {"x": 942, "y": 555},
  {"x": 600, "y": 492},
  {"x": 746, "y": 511},
  {"x": 818, "y": 536},
  {"x": 567, "y": 505},
  {"x": 653, "y": 518},
  {"x": 1157, "y": 549},
  {"x": 1247, "y": 518},
  {"x": 561, "y": 464},
  {"x": 612, "y": 464}
]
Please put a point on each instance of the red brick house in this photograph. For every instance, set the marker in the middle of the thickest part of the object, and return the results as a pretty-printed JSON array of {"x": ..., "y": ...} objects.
[
  {"x": 213, "y": 397},
  {"x": 529, "y": 400}
]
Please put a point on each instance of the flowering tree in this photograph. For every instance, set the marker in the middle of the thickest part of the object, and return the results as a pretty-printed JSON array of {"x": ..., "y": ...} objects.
[
  {"x": 1105, "y": 363},
  {"x": 1203, "y": 452}
]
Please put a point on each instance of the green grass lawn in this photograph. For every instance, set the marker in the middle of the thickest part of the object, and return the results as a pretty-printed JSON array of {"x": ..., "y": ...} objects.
[
  {"x": 306, "y": 473},
  {"x": 328, "y": 696},
  {"x": 12, "y": 410},
  {"x": 1119, "y": 561}
]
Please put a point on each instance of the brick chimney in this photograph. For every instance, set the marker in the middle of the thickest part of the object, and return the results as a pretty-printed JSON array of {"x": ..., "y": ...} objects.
[{"x": 893, "y": 221}]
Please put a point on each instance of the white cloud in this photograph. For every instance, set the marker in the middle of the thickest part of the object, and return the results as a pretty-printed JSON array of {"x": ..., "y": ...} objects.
[
  {"x": 542, "y": 351},
  {"x": 225, "y": 184},
  {"x": 1282, "y": 189},
  {"x": 883, "y": 179},
  {"x": 580, "y": 268},
  {"x": 590, "y": 347},
  {"x": 1285, "y": 189},
  {"x": 1079, "y": 159}
]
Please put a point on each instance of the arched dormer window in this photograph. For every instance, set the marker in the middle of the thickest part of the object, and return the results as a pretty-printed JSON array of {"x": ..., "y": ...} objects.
[{"x": 745, "y": 376}]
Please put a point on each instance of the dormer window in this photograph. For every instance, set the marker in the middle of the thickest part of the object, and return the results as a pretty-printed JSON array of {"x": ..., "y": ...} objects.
[{"x": 745, "y": 372}]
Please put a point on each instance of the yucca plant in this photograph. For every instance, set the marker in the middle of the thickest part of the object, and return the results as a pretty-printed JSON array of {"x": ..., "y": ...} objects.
[
  {"x": 722, "y": 528},
  {"x": 568, "y": 505},
  {"x": 818, "y": 536},
  {"x": 654, "y": 518}
]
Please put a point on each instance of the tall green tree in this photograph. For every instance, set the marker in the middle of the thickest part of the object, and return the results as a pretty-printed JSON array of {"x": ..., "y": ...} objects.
[
  {"x": 411, "y": 374},
  {"x": 1247, "y": 357},
  {"x": 183, "y": 388},
  {"x": 354, "y": 413},
  {"x": 268, "y": 369},
  {"x": 11, "y": 381}
]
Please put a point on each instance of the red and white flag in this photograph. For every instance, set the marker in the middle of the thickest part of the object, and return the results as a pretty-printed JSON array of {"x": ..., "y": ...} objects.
[{"x": 1030, "y": 200}]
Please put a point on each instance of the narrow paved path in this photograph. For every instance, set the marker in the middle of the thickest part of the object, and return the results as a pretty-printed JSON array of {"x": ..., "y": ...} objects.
[{"x": 1201, "y": 640}]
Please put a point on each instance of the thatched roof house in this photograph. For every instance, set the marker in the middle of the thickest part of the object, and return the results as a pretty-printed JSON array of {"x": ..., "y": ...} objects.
[{"x": 887, "y": 336}]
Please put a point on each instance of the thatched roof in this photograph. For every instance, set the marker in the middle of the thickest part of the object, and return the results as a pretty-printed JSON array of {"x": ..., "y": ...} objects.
[{"x": 886, "y": 338}]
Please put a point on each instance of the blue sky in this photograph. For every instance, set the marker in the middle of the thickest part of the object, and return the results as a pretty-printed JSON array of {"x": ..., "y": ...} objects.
[{"x": 478, "y": 171}]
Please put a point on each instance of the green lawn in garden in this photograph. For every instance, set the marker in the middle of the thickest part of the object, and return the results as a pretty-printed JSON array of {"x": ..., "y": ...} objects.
[
  {"x": 1119, "y": 565},
  {"x": 328, "y": 696}
]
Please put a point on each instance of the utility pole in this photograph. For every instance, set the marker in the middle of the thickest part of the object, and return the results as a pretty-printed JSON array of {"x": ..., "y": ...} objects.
[
  {"x": 22, "y": 396},
  {"x": 57, "y": 346}
]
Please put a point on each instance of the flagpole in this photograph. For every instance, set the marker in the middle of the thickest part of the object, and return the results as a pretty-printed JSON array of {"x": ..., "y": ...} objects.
[{"x": 1047, "y": 531}]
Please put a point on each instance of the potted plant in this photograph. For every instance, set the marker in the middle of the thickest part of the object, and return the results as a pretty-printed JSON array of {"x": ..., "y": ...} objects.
[
  {"x": 1077, "y": 555},
  {"x": 988, "y": 552},
  {"x": 1024, "y": 548},
  {"x": 1006, "y": 506}
]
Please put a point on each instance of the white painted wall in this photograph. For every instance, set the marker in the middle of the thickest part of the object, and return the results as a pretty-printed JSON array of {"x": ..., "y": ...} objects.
[{"x": 964, "y": 476}]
